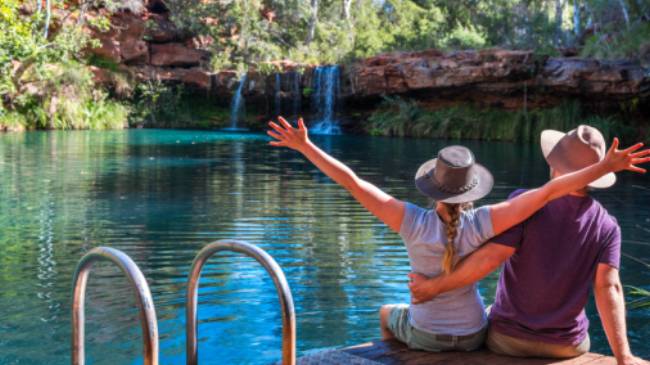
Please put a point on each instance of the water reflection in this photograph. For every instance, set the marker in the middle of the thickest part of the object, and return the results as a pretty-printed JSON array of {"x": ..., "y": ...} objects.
[{"x": 161, "y": 195}]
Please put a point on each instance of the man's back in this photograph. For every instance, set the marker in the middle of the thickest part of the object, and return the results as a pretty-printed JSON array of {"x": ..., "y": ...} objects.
[{"x": 545, "y": 285}]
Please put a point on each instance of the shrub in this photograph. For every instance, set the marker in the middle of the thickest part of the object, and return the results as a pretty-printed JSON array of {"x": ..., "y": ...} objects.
[
  {"x": 403, "y": 117},
  {"x": 464, "y": 38},
  {"x": 642, "y": 298}
]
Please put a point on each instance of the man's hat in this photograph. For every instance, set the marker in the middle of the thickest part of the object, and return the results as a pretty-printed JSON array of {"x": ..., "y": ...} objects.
[{"x": 577, "y": 149}]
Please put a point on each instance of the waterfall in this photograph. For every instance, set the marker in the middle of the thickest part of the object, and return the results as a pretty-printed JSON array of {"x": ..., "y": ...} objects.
[
  {"x": 237, "y": 105},
  {"x": 296, "y": 93},
  {"x": 278, "y": 96},
  {"x": 326, "y": 89}
]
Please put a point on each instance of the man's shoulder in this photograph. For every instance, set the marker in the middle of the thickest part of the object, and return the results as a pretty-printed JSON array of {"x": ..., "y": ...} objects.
[{"x": 607, "y": 220}]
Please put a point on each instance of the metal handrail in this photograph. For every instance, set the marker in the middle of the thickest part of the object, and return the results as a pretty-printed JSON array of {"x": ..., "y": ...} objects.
[
  {"x": 143, "y": 299},
  {"x": 281, "y": 285}
]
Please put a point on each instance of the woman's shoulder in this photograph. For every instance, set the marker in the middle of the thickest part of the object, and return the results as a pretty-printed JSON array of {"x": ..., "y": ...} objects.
[
  {"x": 474, "y": 212},
  {"x": 418, "y": 221},
  {"x": 475, "y": 226}
]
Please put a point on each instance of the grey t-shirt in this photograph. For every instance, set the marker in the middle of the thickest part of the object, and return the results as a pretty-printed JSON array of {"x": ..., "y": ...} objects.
[{"x": 458, "y": 312}]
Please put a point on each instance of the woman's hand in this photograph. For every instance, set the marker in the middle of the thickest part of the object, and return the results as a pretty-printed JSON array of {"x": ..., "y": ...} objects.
[
  {"x": 287, "y": 136},
  {"x": 627, "y": 159}
]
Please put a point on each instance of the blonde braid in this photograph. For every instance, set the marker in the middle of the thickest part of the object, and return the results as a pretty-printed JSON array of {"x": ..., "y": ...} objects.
[{"x": 454, "y": 211}]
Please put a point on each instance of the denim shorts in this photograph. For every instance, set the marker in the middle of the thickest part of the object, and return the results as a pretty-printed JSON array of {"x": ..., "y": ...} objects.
[{"x": 416, "y": 339}]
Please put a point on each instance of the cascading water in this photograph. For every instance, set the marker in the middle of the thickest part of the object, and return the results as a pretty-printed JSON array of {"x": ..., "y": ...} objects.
[
  {"x": 326, "y": 88},
  {"x": 296, "y": 94},
  {"x": 237, "y": 106},
  {"x": 278, "y": 95}
]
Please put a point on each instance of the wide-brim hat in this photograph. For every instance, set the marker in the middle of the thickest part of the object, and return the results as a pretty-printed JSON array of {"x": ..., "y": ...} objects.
[
  {"x": 454, "y": 177},
  {"x": 575, "y": 150}
]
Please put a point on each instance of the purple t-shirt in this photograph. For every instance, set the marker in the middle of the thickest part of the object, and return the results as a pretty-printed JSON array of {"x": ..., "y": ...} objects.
[{"x": 545, "y": 285}]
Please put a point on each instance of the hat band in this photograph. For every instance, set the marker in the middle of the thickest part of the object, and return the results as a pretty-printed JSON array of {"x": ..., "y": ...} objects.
[{"x": 462, "y": 189}]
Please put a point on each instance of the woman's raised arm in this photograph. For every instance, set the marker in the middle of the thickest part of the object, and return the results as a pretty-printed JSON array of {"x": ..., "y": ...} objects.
[
  {"x": 514, "y": 211},
  {"x": 388, "y": 209}
]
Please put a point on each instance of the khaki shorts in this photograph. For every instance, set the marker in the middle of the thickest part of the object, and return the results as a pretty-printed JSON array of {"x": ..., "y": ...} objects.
[
  {"x": 512, "y": 346},
  {"x": 416, "y": 339}
]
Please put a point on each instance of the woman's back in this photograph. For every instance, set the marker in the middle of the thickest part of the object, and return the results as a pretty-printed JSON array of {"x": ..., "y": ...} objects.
[{"x": 458, "y": 312}]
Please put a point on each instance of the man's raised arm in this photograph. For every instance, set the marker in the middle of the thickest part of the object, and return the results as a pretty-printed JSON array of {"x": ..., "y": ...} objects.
[{"x": 470, "y": 270}]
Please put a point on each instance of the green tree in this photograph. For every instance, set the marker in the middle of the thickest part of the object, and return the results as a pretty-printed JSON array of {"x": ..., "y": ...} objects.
[{"x": 43, "y": 80}]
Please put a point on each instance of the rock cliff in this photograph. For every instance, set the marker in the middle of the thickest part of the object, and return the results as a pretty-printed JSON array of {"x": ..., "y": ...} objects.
[{"x": 149, "y": 46}]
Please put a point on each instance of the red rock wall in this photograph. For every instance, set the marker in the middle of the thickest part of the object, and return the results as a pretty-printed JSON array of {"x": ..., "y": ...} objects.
[{"x": 149, "y": 46}]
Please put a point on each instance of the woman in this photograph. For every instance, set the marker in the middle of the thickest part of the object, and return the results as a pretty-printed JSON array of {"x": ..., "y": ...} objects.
[{"x": 435, "y": 239}]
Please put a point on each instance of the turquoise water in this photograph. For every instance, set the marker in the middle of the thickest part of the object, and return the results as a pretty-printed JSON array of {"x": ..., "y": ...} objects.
[{"x": 160, "y": 195}]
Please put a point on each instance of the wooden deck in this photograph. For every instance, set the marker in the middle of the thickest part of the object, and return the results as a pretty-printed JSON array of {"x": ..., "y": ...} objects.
[{"x": 393, "y": 352}]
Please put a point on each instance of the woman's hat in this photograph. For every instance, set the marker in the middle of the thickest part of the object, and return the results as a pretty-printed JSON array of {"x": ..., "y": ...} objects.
[
  {"x": 577, "y": 149},
  {"x": 454, "y": 177}
]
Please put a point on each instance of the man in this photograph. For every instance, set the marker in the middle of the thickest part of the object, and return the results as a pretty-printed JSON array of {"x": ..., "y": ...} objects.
[{"x": 551, "y": 262}]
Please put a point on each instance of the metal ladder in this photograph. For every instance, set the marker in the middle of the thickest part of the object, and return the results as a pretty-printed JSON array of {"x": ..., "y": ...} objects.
[
  {"x": 143, "y": 298},
  {"x": 145, "y": 302},
  {"x": 281, "y": 285}
]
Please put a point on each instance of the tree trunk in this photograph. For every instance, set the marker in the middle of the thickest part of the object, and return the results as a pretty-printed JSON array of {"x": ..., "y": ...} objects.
[
  {"x": 347, "y": 4},
  {"x": 559, "y": 7},
  {"x": 626, "y": 15},
  {"x": 313, "y": 20},
  {"x": 639, "y": 8},
  {"x": 576, "y": 18},
  {"x": 48, "y": 15}
]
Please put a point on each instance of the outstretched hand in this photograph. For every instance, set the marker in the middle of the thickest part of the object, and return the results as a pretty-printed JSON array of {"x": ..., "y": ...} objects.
[
  {"x": 627, "y": 159},
  {"x": 287, "y": 136}
]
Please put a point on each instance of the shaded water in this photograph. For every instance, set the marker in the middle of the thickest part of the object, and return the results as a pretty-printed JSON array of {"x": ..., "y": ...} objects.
[{"x": 161, "y": 195}]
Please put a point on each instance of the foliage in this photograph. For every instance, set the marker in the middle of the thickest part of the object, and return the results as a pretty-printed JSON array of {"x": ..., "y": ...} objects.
[
  {"x": 250, "y": 32},
  {"x": 163, "y": 105},
  {"x": 43, "y": 82},
  {"x": 642, "y": 297},
  {"x": 633, "y": 42},
  {"x": 464, "y": 38},
  {"x": 402, "y": 117}
]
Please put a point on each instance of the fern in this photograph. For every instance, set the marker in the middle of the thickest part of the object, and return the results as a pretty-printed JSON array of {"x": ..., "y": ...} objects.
[{"x": 642, "y": 300}]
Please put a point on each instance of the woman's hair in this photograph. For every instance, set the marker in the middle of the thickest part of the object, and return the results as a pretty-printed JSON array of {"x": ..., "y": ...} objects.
[{"x": 454, "y": 211}]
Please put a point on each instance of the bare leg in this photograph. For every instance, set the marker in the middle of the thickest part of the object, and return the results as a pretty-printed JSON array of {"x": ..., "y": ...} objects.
[{"x": 384, "y": 315}]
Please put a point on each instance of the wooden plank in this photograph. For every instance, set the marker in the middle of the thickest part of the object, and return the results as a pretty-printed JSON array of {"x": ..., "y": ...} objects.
[
  {"x": 377, "y": 349},
  {"x": 394, "y": 352}
]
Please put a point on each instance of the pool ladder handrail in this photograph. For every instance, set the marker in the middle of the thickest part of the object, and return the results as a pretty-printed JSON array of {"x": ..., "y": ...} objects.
[
  {"x": 281, "y": 285},
  {"x": 143, "y": 297}
]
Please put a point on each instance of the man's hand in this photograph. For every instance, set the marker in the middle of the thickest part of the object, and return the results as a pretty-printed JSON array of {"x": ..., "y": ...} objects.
[
  {"x": 288, "y": 136},
  {"x": 627, "y": 159},
  {"x": 630, "y": 360},
  {"x": 422, "y": 288}
]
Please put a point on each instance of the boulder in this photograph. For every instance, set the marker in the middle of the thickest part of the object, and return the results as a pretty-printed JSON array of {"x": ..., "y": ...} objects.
[
  {"x": 134, "y": 51},
  {"x": 594, "y": 78},
  {"x": 123, "y": 43},
  {"x": 195, "y": 77},
  {"x": 492, "y": 74},
  {"x": 198, "y": 78},
  {"x": 162, "y": 30},
  {"x": 432, "y": 69},
  {"x": 108, "y": 48},
  {"x": 175, "y": 54},
  {"x": 101, "y": 75}
]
